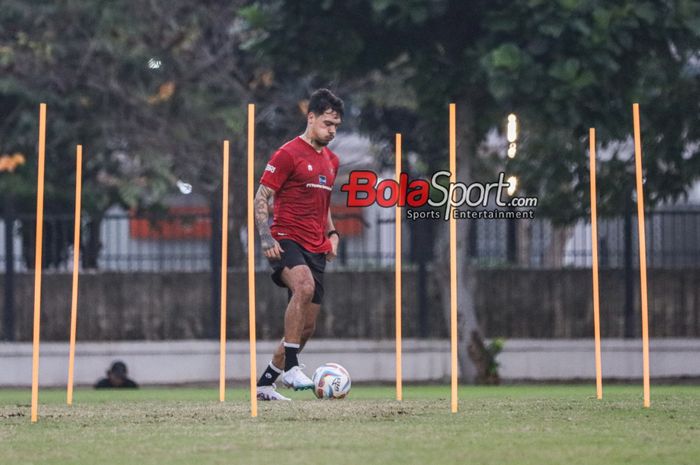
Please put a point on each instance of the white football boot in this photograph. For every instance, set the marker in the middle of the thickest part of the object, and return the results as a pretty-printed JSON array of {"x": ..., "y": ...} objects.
[
  {"x": 296, "y": 379},
  {"x": 270, "y": 393}
]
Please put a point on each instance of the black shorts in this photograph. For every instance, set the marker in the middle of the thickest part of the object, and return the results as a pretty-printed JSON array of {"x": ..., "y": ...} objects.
[{"x": 294, "y": 255}]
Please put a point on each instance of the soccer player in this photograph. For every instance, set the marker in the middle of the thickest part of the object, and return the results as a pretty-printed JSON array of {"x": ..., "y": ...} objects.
[{"x": 299, "y": 177}]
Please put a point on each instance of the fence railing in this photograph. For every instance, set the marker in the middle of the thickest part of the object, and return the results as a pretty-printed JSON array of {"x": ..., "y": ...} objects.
[
  {"x": 190, "y": 242},
  {"x": 672, "y": 241},
  {"x": 172, "y": 254}
]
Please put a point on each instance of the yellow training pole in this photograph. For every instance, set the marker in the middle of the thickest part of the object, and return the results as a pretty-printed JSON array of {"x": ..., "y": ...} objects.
[
  {"x": 397, "y": 290},
  {"x": 224, "y": 272},
  {"x": 38, "y": 261},
  {"x": 76, "y": 257},
  {"x": 642, "y": 251},
  {"x": 594, "y": 243},
  {"x": 251, "y": 260},
  {"x": 453, "y": 259}
]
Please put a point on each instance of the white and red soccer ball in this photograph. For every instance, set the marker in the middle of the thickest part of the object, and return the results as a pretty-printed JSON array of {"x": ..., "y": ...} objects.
[{"x": 331, "y": 381}]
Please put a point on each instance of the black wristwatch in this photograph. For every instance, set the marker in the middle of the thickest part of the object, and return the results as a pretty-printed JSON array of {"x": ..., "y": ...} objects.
[{"x": 331, "y": 232}]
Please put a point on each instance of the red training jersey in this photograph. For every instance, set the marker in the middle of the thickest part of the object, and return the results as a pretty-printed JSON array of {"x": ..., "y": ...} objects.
[{"x": 302, "y": 179}]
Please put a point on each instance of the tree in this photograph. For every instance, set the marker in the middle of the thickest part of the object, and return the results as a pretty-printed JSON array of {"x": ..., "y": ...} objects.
[
  {"x": 561, "y": 66},
  {"x": 151, "y": 92},
  {"x": 72, "y": 56}
]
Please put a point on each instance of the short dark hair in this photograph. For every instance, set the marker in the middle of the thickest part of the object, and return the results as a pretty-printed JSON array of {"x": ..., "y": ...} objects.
[
  {"x": 118, "y": 368},
  {"x": 323, "y": 100}
]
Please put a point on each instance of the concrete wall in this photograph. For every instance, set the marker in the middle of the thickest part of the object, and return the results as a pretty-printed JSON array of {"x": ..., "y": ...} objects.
[
  {"x": 511, "y": 303},
  {"x": 173, "y": 362}
]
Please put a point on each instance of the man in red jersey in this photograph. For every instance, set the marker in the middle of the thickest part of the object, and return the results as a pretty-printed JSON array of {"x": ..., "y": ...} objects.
[{"x": 302, "y": 238}]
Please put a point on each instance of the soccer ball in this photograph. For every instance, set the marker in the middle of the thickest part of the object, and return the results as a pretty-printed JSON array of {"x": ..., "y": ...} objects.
[{"x": 331, "y": 381}]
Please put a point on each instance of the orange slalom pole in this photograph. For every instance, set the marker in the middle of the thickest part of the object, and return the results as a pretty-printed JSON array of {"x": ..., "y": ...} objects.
[
  {"x": 38, "y": 261},
  {"x": 224, "y": 272},
  {"x": 453, "y": 262},
  {"x": 398, "y": 284},
  {"x": 642, "y": 252},
  {"x": 251, "y": 261},
  {"x": 594, "y": 243},
  {"x": 76, "y": 258}
]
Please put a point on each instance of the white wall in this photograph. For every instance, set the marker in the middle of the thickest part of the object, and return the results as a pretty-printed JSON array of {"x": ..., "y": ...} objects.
[{"x": 173, "y": 362}]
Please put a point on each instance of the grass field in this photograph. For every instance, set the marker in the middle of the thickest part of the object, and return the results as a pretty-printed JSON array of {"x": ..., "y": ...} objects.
[{"x": 495, "y": 425}]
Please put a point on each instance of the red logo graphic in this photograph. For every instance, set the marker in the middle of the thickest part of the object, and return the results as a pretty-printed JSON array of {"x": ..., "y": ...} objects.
[{"x": 363, "y": 193}]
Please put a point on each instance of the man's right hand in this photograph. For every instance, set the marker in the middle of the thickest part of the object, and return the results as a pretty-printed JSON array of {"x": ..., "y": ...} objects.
[{"x": 271, "y": 248}]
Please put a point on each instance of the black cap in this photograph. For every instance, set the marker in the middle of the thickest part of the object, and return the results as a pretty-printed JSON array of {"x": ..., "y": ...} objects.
[{"x": 118, "y": 368}]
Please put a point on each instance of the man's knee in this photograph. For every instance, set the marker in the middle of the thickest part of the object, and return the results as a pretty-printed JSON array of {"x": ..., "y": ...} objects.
[{"x": 304, "y": 291}]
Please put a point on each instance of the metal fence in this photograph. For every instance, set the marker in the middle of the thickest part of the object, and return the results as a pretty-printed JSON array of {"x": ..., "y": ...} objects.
[
  {"x": 191, "y": 242},
  {"x": 182, "y": 252},
  {"x": 672, "y": 241},
  {"x": 174, "y": 242}
]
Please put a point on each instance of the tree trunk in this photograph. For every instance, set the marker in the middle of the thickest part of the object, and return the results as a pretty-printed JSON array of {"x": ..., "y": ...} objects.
[
  {"x": 238, "y": 210},
  {"x": 554, "y": 255},
  {"x": 524, "y": 234},
  {"x": 91, "y": 244},
  {"x": 467, "y": 325},
  {"x": 8, "y": 320}
]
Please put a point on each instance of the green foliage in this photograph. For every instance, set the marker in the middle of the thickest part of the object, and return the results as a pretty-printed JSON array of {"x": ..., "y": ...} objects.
[
  {"x": 170, "y": 80},
  {"x": 494, "y": 348},
  {"x": 506, "y": 57},
  {"x": 148, "y": 91},
  {"x": 561, "y": 66}
]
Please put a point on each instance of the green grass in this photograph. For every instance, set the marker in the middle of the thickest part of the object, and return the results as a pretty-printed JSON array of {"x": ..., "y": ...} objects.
[{"x": 498, "y": 425}]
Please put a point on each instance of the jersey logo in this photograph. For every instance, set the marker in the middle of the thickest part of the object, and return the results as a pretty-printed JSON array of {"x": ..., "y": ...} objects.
[
  {"x": 311, "y": 168},
  {"x": 322, "y": 179},
  {"x": 270, "y": 168},
  {"x": 319, "y": 186}
]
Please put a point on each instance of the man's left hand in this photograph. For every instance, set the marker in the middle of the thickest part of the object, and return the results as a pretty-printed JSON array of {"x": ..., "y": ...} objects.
[{"x": 334, "y": 251}]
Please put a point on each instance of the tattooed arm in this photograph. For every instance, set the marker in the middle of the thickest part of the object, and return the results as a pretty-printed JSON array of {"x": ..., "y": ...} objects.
[{"x": 270, "y": 246}]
